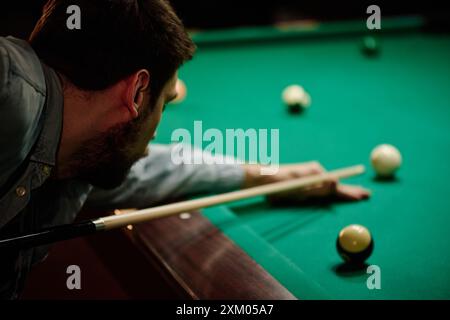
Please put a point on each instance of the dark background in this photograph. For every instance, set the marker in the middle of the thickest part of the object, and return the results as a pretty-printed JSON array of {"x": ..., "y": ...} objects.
[{"x": 17, "y": 17}]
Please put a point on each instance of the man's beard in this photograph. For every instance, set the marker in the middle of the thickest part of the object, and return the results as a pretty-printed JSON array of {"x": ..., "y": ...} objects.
[{"x": 103, "y": 161}]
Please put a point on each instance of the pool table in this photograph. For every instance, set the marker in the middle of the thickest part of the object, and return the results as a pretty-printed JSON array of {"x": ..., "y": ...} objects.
[{"x": 401, "y": 96}]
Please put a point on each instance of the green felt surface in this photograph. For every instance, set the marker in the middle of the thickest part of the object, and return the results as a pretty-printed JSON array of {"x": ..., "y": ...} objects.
[{"x": 400, "y": 97}]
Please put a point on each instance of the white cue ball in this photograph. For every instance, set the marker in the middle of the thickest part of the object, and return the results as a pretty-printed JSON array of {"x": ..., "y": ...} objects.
[
  {"x": 296, "y": 95},
  {"x": 385, "y": 159}
]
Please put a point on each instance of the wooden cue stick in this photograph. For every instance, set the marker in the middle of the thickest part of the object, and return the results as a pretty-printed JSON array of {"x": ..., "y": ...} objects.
[
  {"x": 70, "y": 231},
  {"x": 134, "y": 217}
]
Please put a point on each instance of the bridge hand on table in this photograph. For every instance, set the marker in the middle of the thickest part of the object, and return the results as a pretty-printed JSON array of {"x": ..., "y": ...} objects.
[{"x": 327, "y": 189}]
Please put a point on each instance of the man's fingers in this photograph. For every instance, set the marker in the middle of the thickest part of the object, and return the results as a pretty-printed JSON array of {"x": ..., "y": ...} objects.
[
  {"x": 349, "y": 192},
  {"x": 324, "y": 189},
  {"x": 304, "y": 169}
]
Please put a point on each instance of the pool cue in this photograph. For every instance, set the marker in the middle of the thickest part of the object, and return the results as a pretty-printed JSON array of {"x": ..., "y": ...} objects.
[{"x": 70, "y": 231}]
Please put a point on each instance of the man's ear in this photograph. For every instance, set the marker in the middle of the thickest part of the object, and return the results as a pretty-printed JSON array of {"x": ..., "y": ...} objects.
[{"x": 137, "y": 84}]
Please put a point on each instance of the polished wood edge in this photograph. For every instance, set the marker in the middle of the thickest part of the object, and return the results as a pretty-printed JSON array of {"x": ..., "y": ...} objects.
[{"x": 203, "y": 261}]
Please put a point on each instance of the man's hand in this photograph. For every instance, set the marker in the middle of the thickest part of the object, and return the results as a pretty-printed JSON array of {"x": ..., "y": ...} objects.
[{"x": 327, "y": 189}]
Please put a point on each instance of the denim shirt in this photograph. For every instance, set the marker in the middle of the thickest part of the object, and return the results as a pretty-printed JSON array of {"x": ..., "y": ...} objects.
[{"x": 31, "y": 113}]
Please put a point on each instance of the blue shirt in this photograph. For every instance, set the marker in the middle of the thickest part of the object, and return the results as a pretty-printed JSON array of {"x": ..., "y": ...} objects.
[{"x": 31, "y": 110}]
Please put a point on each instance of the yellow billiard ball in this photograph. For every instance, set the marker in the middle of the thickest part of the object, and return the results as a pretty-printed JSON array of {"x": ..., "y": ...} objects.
[{"x": 354, "y": 244}]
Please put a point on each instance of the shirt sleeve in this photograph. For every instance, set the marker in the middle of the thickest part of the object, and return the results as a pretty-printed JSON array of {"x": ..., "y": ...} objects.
[
  {"x": 22, "y": 99},
  {"x": 157, "y": 178}
]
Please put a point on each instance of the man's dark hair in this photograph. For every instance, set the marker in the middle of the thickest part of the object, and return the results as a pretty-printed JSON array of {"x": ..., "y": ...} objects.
[{"x": 117, "y": 38}]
